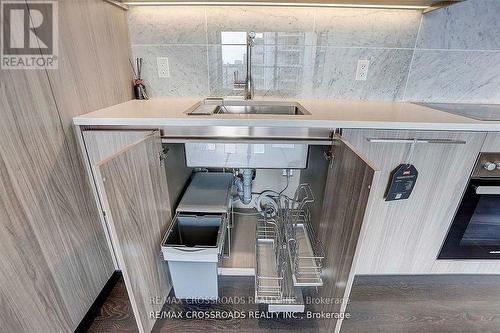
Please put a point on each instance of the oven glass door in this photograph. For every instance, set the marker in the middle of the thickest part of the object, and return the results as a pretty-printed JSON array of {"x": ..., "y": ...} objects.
[{"x": 475, "y": 231}]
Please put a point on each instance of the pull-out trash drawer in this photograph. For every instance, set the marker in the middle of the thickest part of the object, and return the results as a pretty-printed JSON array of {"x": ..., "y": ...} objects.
[{"x": 193, "y": 246}]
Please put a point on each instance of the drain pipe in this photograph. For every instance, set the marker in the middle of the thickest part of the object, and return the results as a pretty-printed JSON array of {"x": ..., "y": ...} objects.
[
  {"x": 244, "y": 186},
  {"x": 247, "y": 185}
]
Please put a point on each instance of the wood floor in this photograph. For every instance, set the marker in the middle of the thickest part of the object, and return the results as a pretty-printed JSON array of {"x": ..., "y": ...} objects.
[
  {"x": 436, "y": 303},
  {"x": 431, "y": 303}
]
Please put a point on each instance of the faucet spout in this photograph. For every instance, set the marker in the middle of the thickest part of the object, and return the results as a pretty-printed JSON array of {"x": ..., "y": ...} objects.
[{"x": 247, "y": 85}]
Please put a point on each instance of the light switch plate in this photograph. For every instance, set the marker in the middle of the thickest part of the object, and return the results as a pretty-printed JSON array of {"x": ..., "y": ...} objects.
[
  {"x": 362, "y": 70},
  {"x": 163, "y": 68}
]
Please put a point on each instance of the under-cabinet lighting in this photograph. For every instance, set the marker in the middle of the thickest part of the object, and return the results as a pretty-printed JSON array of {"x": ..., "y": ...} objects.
[{"x": 273, "y": 4}]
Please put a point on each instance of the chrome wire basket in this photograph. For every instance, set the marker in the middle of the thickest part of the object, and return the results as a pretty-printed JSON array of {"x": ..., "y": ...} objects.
[
  {"x": 305, "y": 251},
  {"x": 288, "y": 253},
  {"x": 271, "y": 282}
]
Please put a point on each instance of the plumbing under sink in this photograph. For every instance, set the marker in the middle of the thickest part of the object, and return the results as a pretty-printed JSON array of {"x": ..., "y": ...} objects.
[{"x": 249, "y": 107}]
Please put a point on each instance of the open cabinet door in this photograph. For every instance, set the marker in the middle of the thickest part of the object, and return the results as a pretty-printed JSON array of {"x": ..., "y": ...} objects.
[
  {"x": 345, "y": 199},
  {"x": 138, "y": 213}
]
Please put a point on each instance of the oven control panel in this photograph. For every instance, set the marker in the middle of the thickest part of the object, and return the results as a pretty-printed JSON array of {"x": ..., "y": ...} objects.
[{"x": 488, "y": 165}]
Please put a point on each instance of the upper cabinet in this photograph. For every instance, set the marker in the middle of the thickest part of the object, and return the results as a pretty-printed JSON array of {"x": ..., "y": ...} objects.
[{"x": 425, "y": 5}]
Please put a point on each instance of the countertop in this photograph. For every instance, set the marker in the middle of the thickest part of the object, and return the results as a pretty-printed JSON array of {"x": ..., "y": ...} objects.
[{"x": 171, "y": 111}]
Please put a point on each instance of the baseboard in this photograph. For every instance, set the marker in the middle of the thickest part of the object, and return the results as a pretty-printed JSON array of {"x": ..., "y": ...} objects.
[{"x": 89, "y": 317}]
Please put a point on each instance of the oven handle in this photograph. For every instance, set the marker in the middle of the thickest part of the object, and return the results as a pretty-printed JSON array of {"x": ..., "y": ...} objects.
[{"x": 488, "y": 190}]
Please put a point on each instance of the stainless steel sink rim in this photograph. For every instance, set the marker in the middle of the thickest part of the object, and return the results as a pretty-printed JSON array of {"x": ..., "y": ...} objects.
[
  {"x": 250, "y": 107},
  {"x": 259, "y": 109}
]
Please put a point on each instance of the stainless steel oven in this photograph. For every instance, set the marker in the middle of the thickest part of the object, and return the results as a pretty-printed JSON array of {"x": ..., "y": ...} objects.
[{"x": 475, "y": 230}]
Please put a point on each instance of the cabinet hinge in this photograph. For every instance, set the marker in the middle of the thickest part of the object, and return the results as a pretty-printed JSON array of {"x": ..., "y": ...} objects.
[
  {"x": 329, "y": 157},
  {"x": 104, "y": 213},
  {"x": 163, "y": 154}
]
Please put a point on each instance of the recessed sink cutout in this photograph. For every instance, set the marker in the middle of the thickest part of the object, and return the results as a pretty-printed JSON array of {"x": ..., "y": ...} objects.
[{"x": 211, "y": 107}]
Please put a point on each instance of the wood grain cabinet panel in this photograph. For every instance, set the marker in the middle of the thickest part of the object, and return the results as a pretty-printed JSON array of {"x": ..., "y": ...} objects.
[
  {"x": 53, "y": 254},
  {"x": 93, "y": 72},
  {"x": 135, "y": 197},
  {"x": 102, "y": 144},
  {"x": 345, "y": 198},
  {"x": 98, "y": 145},
  {"x": 93, "y": 64},
  {"x": 53, "y": 251},
  {"x": 404, "y": 237},
  {"x": 492, "y": 143}
]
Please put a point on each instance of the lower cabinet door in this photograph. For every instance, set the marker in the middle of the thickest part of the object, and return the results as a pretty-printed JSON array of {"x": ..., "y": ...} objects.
[
  {"x": 405, "y": 236},
  {"x": 345, "y": 200},
  {"x": 134, "y": 192}
]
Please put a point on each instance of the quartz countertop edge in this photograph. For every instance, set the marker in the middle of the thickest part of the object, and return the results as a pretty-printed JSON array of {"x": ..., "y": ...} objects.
[{"x": 172, "y": 111}]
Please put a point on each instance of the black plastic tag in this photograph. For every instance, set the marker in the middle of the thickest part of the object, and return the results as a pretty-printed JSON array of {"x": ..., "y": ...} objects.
[{"x": 403, "y": 180}]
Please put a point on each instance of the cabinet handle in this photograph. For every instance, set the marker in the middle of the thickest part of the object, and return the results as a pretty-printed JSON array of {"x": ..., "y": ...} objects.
[
  {"x": 188, "y": 250},
  {"x": 488, "y": 190},
  {"x": 409, "y": 141}
]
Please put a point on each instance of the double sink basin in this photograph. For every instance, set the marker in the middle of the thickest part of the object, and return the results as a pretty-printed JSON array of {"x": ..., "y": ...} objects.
[{"x": 220, "y": 106}]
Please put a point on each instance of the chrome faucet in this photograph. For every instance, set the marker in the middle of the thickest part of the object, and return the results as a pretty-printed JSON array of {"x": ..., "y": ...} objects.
[{"x": 247, "y": 84}]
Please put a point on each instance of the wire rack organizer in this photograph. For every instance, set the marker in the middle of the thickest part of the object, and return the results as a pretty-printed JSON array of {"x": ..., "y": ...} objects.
[
  {"x": 305, "y": 251},
  {"x": 288, "y": 254},
  {"x": 272, "y": 285}
]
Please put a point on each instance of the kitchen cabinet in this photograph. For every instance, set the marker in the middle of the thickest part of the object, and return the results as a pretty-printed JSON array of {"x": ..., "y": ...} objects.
[
  {"x": 404, "y": 237},
  {"x": 492, "y": 143},
  {"x": 100, "y": 145},
  {"x": 53, "y": 252},
  {"x": 133, "y": 186},
  {"x": 53, "y": 255},
  {"x": 137, "y": 209},
  {"x": 347, "y": 190}
]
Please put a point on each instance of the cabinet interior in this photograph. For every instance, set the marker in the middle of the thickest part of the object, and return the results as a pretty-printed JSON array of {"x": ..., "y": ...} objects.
[
  {"x": 240, "y": 259},
  {"x": 141, "y": 198},
  {"x": 314, "y": 174}
]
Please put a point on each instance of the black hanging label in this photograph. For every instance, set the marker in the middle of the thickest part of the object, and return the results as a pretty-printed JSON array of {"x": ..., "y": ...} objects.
[{"x": 403, "y": 180}]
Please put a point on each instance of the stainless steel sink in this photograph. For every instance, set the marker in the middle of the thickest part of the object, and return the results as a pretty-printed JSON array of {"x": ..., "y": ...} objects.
[
  {"x": 260, "y": 109},
  {"x": 209, "y": 107}
]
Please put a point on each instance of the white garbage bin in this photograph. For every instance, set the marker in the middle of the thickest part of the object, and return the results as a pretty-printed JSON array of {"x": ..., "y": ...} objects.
[{"x": 192, "y": 247}]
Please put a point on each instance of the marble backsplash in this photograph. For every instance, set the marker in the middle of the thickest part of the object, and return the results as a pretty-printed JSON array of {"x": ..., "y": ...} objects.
[{"x": 313, "y": 52}]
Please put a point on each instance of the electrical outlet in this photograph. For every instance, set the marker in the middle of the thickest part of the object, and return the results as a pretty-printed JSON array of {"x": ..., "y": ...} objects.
[
  {"x": 163, "y": 69},
  {"x": 362, "y": 70},
  {"x": 286, "y": 172}
]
